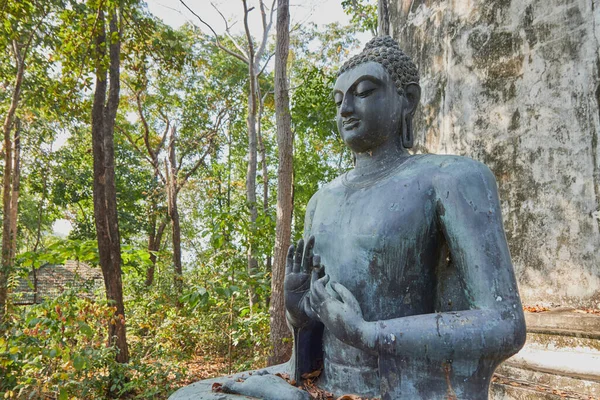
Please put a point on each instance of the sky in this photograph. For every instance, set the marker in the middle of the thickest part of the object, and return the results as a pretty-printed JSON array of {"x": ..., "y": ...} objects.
[{"x": 174, "y": 13}]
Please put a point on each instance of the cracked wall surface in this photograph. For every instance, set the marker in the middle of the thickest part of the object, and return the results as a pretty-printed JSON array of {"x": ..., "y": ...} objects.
[{"x": 515, "y": 84}]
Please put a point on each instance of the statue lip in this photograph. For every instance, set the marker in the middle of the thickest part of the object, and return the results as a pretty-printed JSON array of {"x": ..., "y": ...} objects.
[{"x": 350, "y": 123}]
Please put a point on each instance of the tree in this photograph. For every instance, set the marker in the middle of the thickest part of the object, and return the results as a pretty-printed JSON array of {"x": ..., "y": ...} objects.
[
  {"x": 252, "y": 56},
  {"x": 363, "y": 13},
  {"x": 283, "y": 230},
  {"x": 179, "y": 120},
  {"x": 104, "y": 112},
  {"x": 27, "y": 32}
]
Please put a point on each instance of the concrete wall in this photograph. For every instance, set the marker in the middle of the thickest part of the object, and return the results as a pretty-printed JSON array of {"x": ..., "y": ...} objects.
[{"x": 515, "y": 84}]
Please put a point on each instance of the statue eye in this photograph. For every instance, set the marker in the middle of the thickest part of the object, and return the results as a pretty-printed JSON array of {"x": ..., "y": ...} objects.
[
  {"x": 338, "y": 100},
  {"x": 365, "y": 93},
  {"x": 364, "y": 88}
]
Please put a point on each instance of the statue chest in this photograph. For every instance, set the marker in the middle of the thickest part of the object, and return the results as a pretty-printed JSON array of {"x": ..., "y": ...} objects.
[{"x": 382, "y": 243}]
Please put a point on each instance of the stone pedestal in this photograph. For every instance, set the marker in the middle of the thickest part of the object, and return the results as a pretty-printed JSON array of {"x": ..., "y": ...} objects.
[{"x": 202, "y": 390}]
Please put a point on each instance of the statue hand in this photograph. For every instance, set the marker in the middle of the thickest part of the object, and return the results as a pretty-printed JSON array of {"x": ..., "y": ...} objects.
[
  {"x": 296, "y": 284},
  {"x": 339, "y": 311}
]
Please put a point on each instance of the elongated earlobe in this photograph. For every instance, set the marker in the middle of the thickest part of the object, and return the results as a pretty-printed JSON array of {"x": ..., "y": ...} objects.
[{"x": 407, "y": 134}]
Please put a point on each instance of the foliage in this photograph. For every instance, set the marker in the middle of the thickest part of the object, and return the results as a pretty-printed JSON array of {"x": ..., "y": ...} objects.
[
  {"x": 363, "y": 14},
  {"x": 57, "y": 349},
  {"x": 51, "y": 349},
  {"x": 71, "y": 188}
]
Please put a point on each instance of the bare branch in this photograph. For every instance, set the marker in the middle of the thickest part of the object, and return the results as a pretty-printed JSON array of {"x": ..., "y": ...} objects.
[
  {"x": 211, "y": 136},
  {"x": 263, "y": 15},
  {"x": 141, "y": 152},
  {"x": 114, "y": 50},
  {"x": 266, "y": 29},
  {"x": 228, "y": 32},
  {"x": 240, "y": 57},
  {"x": 146, "y": 133},
  {"x": 161, "y": 228},
  {"x": 26, "y": 46},
  {"x": 195, "y": 167},
  {"x": 265, "y": 65},
  {"x": 251, "y": 58},
  {"x": 134, "y": 143},
  {"x": 163, "y": 139}
]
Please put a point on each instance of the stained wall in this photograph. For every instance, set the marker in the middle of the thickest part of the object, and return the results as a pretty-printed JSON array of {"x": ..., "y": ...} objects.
[{"x": 515, "y": 84}]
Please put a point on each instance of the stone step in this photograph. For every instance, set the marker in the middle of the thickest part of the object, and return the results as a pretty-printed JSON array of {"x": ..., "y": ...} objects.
[
  {"x": 583, "y": 388},
  {"x": 504, "y": 388},
  {"x": 565, "y": 322},
  {"x": 561, "y": 359}
]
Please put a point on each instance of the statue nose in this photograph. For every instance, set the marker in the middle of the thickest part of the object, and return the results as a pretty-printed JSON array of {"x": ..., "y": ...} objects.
[{"x": 347, "y": 107}]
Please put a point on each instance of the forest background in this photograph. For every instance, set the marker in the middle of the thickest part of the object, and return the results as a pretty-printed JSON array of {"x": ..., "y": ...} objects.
[{"x": 102, "y": 101}]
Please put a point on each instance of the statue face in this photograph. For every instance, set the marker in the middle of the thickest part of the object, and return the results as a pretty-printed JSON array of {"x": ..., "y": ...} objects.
[{"x": 369, "y": 108}]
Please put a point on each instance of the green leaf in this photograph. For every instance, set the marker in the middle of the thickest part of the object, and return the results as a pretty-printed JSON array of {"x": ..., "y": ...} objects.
[
  {"x": 86, "y": 329},
  {"x": 78, "y": 362}
]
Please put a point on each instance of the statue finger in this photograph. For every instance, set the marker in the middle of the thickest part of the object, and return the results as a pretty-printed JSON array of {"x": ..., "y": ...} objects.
[
  {"x": 298, "y": 258},
  {"x": 290, "y": 260},
  {"x": 316, "y": 261},
  {"x": 346, "y": 296},
  {"x": 315, "y": 274},
  {"x": 307, "y": 260},
  {"x": 320, "y": 289},
  {"x": 315, "y": 302}
]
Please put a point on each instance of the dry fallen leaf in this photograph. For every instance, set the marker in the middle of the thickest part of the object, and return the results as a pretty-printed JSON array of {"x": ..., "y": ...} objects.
[
  {"x": 535, "y": 309},
  {"x": 283, "y": 376},
  {"x": 217, "y": 387},
  {"x": 311, "y": 375}
]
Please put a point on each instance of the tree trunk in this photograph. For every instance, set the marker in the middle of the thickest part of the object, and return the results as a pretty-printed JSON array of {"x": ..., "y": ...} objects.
[
  {"x": 154, "y": 241},
  {"x": 174, "y": 214},
  {"x": 104, "y": 191},
  {"x": 7, "y": 238},
  {"x": 156, "y": 230},
  {"x": 279, "y": 329},
  {"x": 265, "y": 173},
  {"x": 40, "y": 216},
  {"x": 151, "y": 242},
  {"x": 16, "y": 187},
  {"x": 251, "y": 172},
  {"x": 383, "y": 17}
]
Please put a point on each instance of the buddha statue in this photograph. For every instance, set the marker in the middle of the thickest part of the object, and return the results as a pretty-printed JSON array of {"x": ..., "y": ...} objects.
[{"x": 403, "y": 287}]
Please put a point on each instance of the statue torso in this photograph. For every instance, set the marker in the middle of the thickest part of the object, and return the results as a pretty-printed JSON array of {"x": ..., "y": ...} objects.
[{"x": 380, "y": 240}]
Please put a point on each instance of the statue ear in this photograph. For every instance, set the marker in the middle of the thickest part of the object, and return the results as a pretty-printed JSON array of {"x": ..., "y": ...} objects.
[
  {"x": 412, "y": 93},
  {"x": 406, "y": 127}
]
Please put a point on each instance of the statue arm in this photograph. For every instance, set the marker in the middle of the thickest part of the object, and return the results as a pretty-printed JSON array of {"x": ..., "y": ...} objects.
[{"x": 468, "y": 211}]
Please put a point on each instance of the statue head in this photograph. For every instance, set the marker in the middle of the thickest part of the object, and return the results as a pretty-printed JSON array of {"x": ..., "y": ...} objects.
[{"x": 382, "y": 63}]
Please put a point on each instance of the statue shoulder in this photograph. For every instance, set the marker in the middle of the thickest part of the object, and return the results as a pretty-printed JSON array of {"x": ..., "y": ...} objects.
[
  {"x": 322, "y": 192},
  {"x": 451, "y": 169},
  {"x": 314, "y": 201}
]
